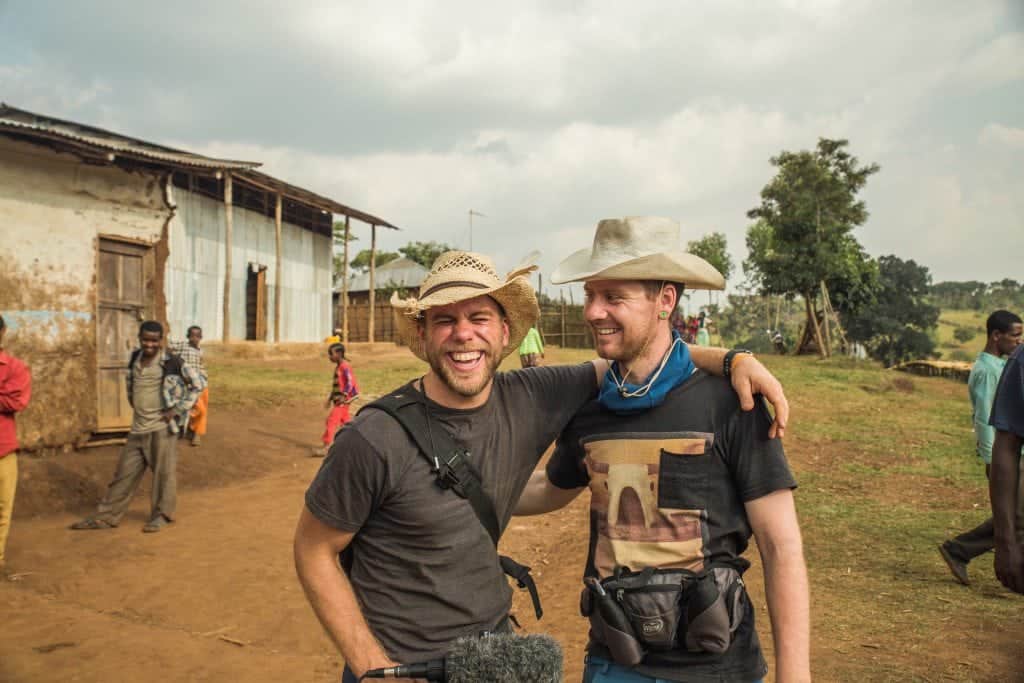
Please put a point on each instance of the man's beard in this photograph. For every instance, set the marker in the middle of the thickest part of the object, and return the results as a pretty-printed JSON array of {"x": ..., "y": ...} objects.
[
  {"x": 632, "y": 346},
  {"x": 464, "y": 387}
]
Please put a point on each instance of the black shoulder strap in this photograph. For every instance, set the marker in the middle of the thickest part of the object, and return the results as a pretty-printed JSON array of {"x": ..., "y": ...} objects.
[
  {"x": 172, "y": 366},
  {"x": 448, "y": 460},
  {"x": 134, "y": 357},
  {"x": 452, "y": 469}
]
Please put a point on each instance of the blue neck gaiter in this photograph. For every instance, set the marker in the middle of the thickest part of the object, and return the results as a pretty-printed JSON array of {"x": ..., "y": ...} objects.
[{"x": 677, "y": 370}]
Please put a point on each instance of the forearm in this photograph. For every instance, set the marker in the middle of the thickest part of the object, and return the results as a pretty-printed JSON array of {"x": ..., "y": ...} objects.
[
  {"x": 1002, "y": 485},
  {"x": 789, "y": 609},
  {"x": 541, "y": 496},
  {"x": 708, "y": 358},
  {"x": 330, "y": 594}
]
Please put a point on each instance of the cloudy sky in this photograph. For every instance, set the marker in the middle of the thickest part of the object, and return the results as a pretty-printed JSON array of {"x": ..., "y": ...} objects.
[{"x": 548, "y": 116}]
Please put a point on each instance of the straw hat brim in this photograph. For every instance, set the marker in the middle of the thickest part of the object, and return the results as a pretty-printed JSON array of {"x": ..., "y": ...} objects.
[
  {"x": 516, "y": 296},
  {"x": 671, "y": 266}
]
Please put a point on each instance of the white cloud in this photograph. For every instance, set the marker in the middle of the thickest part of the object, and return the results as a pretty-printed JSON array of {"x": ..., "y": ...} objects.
[
  {"x": 1007, "y": 136},
  {"x": 554, "y": 115}
]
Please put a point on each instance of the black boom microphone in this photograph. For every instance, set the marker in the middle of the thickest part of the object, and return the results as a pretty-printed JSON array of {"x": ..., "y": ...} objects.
[{"x": 496, "y": 658}]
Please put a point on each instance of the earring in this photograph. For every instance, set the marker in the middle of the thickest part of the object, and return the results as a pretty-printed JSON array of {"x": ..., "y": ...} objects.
[{"x": 663, "y": 315}]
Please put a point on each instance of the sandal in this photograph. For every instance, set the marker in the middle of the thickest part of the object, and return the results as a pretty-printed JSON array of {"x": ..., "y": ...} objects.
[
  {"x": 92, "y": 523},
  {"x": 156, "y": 524}
]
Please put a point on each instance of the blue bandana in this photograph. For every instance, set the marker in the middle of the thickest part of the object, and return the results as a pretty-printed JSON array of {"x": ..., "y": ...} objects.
[{"x": 677, "y": 370}]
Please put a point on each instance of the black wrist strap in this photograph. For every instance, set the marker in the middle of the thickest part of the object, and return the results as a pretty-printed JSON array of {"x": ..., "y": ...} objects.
[{"x": 727, "y": 361}]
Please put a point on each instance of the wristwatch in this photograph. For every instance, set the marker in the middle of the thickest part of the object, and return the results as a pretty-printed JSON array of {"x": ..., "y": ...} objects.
[{"x": 728, "y": 360}]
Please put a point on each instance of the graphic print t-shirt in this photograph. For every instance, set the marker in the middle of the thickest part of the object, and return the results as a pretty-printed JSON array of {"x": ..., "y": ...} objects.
[{"x": 668, "y": 488}]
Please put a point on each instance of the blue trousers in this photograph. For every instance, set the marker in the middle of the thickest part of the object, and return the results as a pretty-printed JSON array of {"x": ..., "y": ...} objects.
[{"x": 598, "y": 670}]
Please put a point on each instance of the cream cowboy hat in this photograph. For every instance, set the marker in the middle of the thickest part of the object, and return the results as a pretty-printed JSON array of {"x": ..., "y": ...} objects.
[
  {"x": 461, "y": 275},
  {"x": 638, "y": 248}
]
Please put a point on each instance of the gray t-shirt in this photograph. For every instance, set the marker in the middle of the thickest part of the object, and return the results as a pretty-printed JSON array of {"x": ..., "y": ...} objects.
[
  {"x": 424, "y": 569},
  {"x": 147, "y": 400}
]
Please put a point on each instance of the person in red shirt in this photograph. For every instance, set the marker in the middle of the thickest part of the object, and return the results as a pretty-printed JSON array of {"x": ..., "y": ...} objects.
[
  {"x": 344, "y": 390},
  {"x": 15, "y": 390}
]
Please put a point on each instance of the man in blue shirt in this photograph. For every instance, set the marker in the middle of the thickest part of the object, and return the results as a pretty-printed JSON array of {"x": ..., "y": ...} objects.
[{"x": 1004, "y": 334}]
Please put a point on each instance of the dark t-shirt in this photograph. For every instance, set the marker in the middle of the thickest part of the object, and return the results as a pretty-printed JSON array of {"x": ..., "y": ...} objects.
[
  {"x": 1008, "y": 406},
  {"x": 424, "y": 569},
  {"x": 668, "y": 488}
]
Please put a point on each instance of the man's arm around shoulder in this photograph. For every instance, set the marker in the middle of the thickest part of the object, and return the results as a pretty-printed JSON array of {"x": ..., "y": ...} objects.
[
  {"x": 330, "y": 593},
  {"x": 773, "y": 519},
  {"x": 541, "y": 496}
]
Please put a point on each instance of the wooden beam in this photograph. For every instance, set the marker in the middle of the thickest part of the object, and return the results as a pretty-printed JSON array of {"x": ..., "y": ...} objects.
[
  {"x": 344, "y": 288},
  {"x": 373, "y": 275},
  {"x": 278, "y": 282},
  {"x": 226, "y": 332}
]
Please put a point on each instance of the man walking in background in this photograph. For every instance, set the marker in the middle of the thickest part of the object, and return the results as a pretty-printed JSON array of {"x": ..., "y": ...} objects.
[
  {"x": 15, "y": 391},
  {"x": 1003, "y": 330},
  {"x": 531, "y": 350}
]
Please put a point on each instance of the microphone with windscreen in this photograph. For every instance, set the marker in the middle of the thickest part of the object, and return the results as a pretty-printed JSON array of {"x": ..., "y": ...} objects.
[{"x": 496, "y": 658}]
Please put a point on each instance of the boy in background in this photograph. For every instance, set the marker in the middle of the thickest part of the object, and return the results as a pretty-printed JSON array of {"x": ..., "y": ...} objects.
[{"x": 344, "y": 390}]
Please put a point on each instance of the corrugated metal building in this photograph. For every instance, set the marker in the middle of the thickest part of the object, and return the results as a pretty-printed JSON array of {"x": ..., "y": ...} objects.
[
  {"x": 402, "y": 273},
  {"x": 101, "y": 230}
]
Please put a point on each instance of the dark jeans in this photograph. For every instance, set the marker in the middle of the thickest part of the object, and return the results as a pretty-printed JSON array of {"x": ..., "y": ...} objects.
[
  {"x": 977, "y": 541},
  {"x": 348, "y": 677}
]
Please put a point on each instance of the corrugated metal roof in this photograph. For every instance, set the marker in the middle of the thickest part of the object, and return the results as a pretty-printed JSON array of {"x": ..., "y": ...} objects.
[
  {"x": 75, "y": 134},
  {"x": 103, "y": 142},
  {"x": 307, "y": 197},
  {"x": 401, "y": 272}
]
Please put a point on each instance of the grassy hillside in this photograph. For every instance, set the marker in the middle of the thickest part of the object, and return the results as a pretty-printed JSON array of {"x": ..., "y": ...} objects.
[{"x": 952, "y": 348}]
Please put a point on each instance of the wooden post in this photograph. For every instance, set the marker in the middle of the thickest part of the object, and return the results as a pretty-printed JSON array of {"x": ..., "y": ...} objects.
[
  {"x": 226, "y": 332},
  {"x": 344, "y": 288},
  {"x": 278, "y": 281},
  {"x": 562, "y": 343},
  {"x": 373, "y": 276}
]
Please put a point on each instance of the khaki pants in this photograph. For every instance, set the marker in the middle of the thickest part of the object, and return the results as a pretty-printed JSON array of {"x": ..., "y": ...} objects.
[
  {"x": 8, "y": 485},
  {"x": 153, "y": 450}
]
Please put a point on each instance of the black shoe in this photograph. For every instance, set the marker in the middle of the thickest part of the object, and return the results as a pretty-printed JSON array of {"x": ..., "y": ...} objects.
[{"x": 958, "y": 568}]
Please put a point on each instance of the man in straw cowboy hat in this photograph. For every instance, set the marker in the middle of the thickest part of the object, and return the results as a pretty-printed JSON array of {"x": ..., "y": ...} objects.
[
  {"x": 420, "y": 569},
  {"x": 679, "y": 477}
]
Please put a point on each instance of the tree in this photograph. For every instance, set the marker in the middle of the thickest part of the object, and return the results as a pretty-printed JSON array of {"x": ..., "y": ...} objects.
[
  {"x": 713, "y": 249},
  {"x": 361, "y": 262},
  {"x": 897, "y": 326},
  {"x": 338, "y": 240},
  {"x": 804, "y": 231},
  {"x": 424, "y": 253}
]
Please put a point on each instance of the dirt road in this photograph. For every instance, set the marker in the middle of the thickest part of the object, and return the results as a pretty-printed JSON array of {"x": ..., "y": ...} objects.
[{"x": 214, "y": 596}]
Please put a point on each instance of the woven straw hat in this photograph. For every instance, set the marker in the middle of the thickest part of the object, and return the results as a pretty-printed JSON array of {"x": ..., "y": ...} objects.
[
  {"x": 638, "y": 248},
  {"x": 461, "y": 275}
]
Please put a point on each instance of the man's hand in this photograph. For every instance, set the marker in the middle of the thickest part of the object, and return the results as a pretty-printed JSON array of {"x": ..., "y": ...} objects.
[
  {"x": 750, "y": 377},
  {"x": 167, "y": 415},
  {"x": 1009, "y": 565}
]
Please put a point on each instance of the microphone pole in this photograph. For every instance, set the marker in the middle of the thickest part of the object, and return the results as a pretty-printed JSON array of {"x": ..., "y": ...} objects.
[{"x": 433, "y": 671}]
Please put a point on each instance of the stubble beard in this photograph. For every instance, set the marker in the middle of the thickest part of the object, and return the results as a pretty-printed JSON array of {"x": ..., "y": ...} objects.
[{"x": 466, "y": 388}]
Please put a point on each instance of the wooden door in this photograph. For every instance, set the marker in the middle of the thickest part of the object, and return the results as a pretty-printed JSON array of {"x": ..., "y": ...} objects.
[
  {"x": 256, "y": 303},
  {"x": 121, "y": 293}
]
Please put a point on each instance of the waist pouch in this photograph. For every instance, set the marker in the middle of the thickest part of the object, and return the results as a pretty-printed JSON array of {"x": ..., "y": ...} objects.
[{"x": 664, "y": 609}]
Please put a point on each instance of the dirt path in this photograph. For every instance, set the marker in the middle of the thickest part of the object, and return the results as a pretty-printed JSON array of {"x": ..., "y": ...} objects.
[{"x": 214, "y": 597}]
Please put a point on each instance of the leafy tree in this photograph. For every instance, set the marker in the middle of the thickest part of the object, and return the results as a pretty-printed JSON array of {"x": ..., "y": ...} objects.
[
  {"x": 361, "y": 263},
  {"x": 713, "y": 249},
  {"x": 804, "y": 230},
  {"x": 424, "y": 253},
  {"x": 897, "y": 326},
  {"x": 338, "y": 241}
]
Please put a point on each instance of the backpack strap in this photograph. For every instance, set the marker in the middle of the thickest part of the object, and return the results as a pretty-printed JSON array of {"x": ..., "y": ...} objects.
[
  {"x": 448, "y": 460},
  {"x": 134, "y": 357},
  {"x": 453, "y": 470}
]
